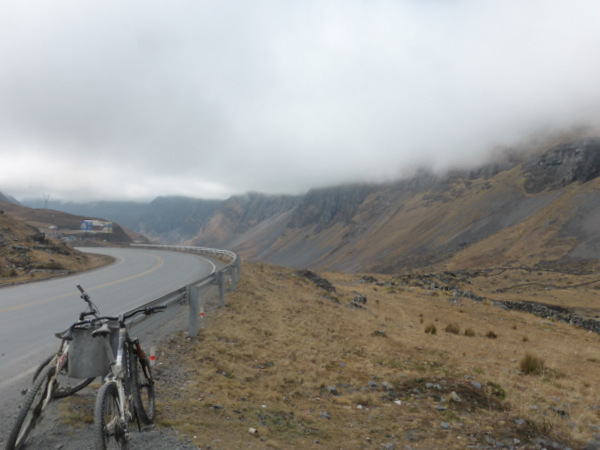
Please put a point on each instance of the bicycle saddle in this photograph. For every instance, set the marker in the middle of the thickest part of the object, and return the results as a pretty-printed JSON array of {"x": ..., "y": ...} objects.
[{"x": 66, "y": 335}]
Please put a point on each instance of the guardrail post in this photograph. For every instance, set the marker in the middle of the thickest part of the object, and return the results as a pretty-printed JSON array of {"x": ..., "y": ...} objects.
[
  {"x": 233, "y": 270},
  {"x": 221, "y": 281},
  {"x": 192, "y": 296}
]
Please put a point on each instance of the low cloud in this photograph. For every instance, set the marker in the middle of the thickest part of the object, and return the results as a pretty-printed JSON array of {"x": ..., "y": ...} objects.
[{"x": 105, "y": 100}]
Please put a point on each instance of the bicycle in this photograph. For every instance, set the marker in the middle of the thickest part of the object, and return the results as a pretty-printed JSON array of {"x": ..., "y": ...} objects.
[
  {"x": 128, "y": 390},
  {"x": 54, "y": 378}
]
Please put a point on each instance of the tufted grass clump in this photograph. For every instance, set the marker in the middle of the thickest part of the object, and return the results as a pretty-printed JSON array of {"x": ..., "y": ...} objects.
[
  {"x": 469, "y": 332},
  {"x": 431, "y": 329},
  {"x": 452, "y": 328},
  {"x": 531, "y": 365}
]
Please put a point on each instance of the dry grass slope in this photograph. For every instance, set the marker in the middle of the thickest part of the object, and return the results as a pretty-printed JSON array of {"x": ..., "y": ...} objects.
[
  {"x": 306, "y": 369},
  {"x": 27, "y": 255}
]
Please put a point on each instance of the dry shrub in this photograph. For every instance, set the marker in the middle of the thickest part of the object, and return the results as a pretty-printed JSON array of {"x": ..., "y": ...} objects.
[
  {"x": 491, "y": 335},
  {"x": 469, "y": 332},
  {"x": 452, "y": 328},
  {"x": 431, "y": 329},
  {"x": 531, "y": 365}
]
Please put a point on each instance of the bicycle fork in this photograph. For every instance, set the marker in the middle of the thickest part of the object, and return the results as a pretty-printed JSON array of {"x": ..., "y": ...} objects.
[{"x": 124, "y": 410}]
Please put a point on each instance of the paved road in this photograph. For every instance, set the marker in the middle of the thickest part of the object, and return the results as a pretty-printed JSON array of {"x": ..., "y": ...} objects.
[{"x": 31, "y": 313}]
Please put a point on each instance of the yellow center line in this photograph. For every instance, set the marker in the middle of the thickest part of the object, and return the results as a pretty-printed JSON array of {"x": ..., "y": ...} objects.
[{"x": 110, "y": 283}]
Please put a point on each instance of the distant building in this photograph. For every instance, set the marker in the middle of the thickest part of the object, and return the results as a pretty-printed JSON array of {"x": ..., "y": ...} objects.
[{"x": 96, "y": 226}]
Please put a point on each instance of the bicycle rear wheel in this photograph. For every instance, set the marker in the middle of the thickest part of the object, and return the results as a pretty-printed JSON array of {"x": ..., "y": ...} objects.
[
  {"x": 31, "y": 411},
  {"x": 65, "y": 385},
  {"x": 143, "y": 388},
  {"x": 109, "y": 431}
]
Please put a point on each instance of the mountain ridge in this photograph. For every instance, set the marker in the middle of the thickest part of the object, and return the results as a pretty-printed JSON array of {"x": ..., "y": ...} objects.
[
  {"x": 526, "y": 208},
  {"x": 463, "y": 218}
]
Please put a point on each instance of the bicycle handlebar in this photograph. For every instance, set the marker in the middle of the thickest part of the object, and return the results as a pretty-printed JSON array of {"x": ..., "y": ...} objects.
[
  {"x": 66, "y": 334},
  {"x": 121, "y": 318}
]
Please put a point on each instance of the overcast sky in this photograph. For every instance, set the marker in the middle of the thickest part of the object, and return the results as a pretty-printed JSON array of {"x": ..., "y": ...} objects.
[{"x": 136, "y": 99}]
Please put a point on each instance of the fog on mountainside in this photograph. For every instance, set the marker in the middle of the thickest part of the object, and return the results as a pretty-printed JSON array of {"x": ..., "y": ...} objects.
[{"x": 532, "y": 207}]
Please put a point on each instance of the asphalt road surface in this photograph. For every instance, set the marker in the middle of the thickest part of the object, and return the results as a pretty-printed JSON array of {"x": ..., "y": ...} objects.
[{"x": 31, "y": 313}]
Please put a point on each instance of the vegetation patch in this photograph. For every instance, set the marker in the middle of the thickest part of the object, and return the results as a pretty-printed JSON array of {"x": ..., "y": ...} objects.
[
  {"x": 278, "y": 367},
  {"x": 496, "y": 390},
  {"x": 531, "y": 365},
  {"x": 431, "y": 329},
  {"x": 78, "y": 410},
  {"x": 452, "y": 328},
  {"x": 469, "y": 332}
]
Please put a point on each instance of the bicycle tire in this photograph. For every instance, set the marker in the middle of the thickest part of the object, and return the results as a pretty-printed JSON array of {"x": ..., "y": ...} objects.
[
  {"x": 143, "y": 389},
  {"x": 41, "y": 367},
  {"x": 31, "y": 410},
  {"x": 65, "y": 385},
  {"x": 109, "y": 432}
]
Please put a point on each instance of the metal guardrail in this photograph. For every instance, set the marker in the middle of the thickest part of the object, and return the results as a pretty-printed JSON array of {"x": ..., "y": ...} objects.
[{"x": 190, "y": 293}]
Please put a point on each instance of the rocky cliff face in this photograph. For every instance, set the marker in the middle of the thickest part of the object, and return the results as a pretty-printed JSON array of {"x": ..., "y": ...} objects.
[
  {"x": 323, "y": 207},
  {"x": 247, "y": 211},
  {"x": 562, "y": 165},
  {"x": 517, "y": 210},
  {"x": 243, "y": 214}
]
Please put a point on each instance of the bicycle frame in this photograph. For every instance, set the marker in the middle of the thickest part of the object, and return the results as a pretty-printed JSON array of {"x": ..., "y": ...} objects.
[
  {"x": 57, "y": 359},
  {"x": 121, "y": 376}
]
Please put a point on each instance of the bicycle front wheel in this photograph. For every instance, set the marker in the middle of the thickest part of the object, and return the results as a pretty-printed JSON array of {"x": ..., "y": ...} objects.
[
  {"x": 109, "y": 430},
  {"x": 143, "y": 389},
  {"x": 31, "y": 411}
]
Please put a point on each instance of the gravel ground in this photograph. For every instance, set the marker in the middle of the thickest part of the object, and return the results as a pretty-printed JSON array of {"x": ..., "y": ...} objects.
[
  {"x": 58, "y": 432},
  {"x": 51, "y": 433}
]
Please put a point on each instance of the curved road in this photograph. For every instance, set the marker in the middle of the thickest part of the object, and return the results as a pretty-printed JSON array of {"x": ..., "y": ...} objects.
[{"x": 31, "y": 313}]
